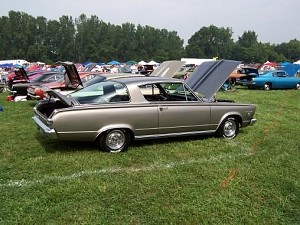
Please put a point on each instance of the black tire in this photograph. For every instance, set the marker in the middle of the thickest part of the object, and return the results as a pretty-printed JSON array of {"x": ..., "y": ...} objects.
[
  {"x": 115, "y": 140},
  {"x": 297, "y": 86},
  {"x": 229, "y": 128},
  {"x": 267, "y": 86}
]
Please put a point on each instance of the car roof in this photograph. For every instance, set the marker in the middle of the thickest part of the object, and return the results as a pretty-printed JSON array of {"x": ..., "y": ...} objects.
[
  {"x": 139, "y": 80},
  {"x": 120, "y": 75}
]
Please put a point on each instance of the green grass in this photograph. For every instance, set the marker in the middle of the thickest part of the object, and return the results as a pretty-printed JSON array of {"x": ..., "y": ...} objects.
[{"x": 253, "y": 179}]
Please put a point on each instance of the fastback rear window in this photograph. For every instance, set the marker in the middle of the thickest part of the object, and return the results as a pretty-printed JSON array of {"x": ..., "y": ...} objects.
[{"x": 102, "y": 92}]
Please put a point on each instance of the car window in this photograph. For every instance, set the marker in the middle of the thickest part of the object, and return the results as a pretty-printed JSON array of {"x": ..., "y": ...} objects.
[
  {"x": 167, "y": 92},
  {"x": 102, "y": 92},
  {"x": 281, "y": 74},
  {"x": 54, "y": 77},
  {"x": 87, "y": 77}
]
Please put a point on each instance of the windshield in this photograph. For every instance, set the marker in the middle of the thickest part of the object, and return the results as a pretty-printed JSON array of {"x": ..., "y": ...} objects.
[
  {"x": 167, "y": 92},
  {"x": 102, "y": 92},
  {"x": 263, "y": 72}
]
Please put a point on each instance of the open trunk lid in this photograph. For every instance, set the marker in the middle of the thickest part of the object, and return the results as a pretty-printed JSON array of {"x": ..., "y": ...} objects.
[{"x": 72, "y": 78}]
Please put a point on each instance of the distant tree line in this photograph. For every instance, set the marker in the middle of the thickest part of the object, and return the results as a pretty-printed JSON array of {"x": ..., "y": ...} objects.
[{"x": 90, "y": 39}]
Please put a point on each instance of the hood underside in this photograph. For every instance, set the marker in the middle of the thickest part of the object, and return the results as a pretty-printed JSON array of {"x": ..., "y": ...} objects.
[
  {"x": 209, "y": 77},
  {"x": 21, "y": 74},
  {"x": 167, "y": 69},
  {"x": 72, "y": 78}
]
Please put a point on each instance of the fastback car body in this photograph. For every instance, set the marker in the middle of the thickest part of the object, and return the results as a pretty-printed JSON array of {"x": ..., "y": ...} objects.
[
  {"x": 274, "y": 79},
  {"x": 115, "y": 112}
]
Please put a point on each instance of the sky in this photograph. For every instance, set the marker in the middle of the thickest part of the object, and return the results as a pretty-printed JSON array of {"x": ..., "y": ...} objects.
[{"x": 273, "y": 21}]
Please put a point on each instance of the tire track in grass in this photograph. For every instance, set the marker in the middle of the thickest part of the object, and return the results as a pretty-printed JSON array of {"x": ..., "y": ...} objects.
[{"x": 266, "y": 132}]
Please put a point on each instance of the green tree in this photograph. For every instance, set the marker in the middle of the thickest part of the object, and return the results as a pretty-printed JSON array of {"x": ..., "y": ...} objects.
[
  {"x": 38, "y": 50},
  {"x": 248, "y": 39},
  {"x": 66, "y": 35},
  {"x": 170, "y": 46},
  {"x": 91, "y": 38},
  {"x": 4, "y": 37},
  {"x": 36, "y": 39},
  {"x": 267, "y": 53},
  {"x": 52, "y": 40},
  {"x": 290, "y": 50},
  {"x": 210, "y": 42},
  {"x": 18, "y": 35}
]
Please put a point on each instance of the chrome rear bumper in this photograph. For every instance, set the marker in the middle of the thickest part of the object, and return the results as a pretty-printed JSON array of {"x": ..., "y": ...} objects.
[{"x": 50, "y": 133}]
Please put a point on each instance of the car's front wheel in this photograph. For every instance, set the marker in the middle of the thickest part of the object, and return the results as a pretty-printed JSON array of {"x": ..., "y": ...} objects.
[
  {"x": 298, "y": 86},
  {"x": 229, "y": 128},
  {"x": 115, "y": 140}
]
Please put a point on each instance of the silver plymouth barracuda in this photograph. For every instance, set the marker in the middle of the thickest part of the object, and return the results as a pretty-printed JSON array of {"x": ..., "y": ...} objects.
[{"x": 115, "y": 112}]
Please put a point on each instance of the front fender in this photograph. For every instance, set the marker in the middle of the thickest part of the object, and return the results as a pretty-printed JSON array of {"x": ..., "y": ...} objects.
[{"x": 232, "y": 114}]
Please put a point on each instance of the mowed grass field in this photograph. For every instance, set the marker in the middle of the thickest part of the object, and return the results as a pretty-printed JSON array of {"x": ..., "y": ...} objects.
[{"x": 252, "y": 179}]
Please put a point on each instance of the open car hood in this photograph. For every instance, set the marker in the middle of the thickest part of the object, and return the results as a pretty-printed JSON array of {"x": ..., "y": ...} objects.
[
  {"x": 167, "y": 69},
  {"x": 90, "y": 67},
  {"x": 209, "y": 77},
  {"x": 72, "y": 78},
  {"x": 21, "y": 74}
]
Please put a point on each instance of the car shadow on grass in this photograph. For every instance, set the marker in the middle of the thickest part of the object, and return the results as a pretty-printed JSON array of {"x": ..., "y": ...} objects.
[
  {"x": 170, "y": 140},
  {"x": 53, "y": 146}
]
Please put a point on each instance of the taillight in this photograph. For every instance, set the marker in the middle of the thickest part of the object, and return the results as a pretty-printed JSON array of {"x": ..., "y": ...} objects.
[{"x": 39, "y": 92}]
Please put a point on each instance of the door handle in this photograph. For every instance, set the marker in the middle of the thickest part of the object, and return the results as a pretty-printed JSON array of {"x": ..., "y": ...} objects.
[{"x": 163, "y": 108}]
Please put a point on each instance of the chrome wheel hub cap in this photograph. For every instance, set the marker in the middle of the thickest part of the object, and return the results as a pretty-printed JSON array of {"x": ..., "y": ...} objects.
[
  {"x": 267, "y": 87},
  {"x": 229, "y": 129},
  {"x": 115, "y": 140}
]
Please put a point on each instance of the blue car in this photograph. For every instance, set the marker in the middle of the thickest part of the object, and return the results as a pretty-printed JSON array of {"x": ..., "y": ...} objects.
[{"x": 275, "y": 79}]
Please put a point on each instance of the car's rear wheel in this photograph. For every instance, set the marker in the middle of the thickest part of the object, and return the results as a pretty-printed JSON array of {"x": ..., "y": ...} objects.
[
  {"x": 267, "y": 86},
  {"x": 115, "y": 140},
  {"x": 229, "y": 128},
  {"x": 298, "y": 86}
]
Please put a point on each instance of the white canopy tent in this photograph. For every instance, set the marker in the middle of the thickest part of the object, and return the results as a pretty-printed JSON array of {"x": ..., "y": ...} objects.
[
  {"x": 298, "y": 62},
  {"x": 142, "y": 63},
  {"x": 152, "y": 63}
]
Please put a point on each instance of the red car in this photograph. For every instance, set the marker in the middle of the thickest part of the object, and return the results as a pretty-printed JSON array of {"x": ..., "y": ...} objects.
[{"x": 66, "y": 83}]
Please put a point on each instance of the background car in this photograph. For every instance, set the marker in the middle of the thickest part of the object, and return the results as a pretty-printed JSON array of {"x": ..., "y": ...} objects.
[
  {"x": 275, "y": 79},
  {"x": 20, "y": 89},
  {"x": 35, "y": 91}
]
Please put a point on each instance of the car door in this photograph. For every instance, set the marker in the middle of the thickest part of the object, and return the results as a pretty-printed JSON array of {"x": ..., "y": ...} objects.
[
  {"x": 181, "y": 117},
  {"x": 281, "y": 80},
  {"x": 182, "y": 112}
]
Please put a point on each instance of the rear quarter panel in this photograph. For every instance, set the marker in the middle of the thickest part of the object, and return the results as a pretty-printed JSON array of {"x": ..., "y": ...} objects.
[{"x": 85, "y": 123}]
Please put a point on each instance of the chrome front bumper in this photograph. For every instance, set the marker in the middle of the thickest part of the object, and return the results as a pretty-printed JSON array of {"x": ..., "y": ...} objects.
[{"x": 48, "y": 132}]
